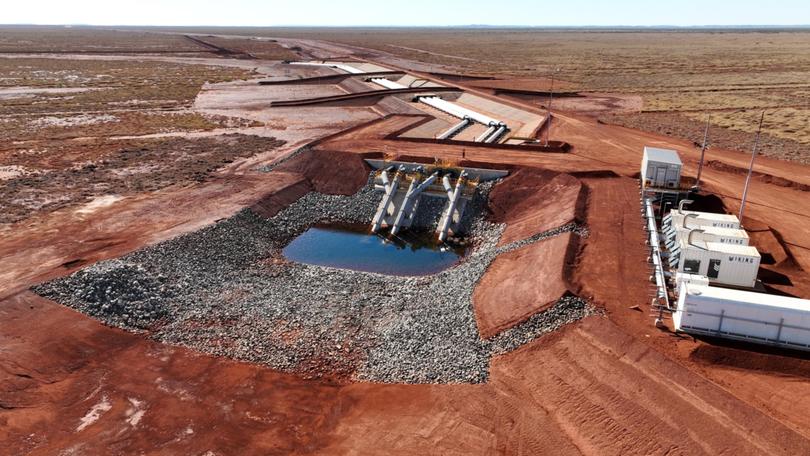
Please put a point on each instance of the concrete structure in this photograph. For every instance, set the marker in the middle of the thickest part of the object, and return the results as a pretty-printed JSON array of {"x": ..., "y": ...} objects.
[
  {"x": 660, "y": 168},
  {"x": 742, "y": 315},
  {"x": 728, "y": 264},
  {"x": 404, "y": 184}
]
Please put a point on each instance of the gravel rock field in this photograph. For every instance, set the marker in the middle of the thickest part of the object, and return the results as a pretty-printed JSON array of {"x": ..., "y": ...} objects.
[{"x": 227, "y": 290}]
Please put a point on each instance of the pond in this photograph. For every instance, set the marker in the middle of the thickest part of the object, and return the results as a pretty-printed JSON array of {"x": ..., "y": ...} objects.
[{"x": 409, "y": 253}]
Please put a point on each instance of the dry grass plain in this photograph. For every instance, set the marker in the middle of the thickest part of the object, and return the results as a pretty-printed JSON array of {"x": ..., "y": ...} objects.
[
  {"x": 731, "y": 74},
  {"x": 62, "y": 119}
]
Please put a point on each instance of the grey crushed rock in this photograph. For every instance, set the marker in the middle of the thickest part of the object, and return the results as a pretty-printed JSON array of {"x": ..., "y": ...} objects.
[{"x": 227, "y": 290}]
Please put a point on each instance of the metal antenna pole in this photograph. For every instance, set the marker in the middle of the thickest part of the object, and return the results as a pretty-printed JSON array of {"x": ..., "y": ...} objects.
[
  {"x": 550, "y": 100},
  {"x": 751, "y": 167},
  {"x": 703, "y": 151}
]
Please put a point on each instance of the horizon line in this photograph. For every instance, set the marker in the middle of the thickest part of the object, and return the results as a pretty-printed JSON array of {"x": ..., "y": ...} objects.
[{"x": 728, "y": 26}]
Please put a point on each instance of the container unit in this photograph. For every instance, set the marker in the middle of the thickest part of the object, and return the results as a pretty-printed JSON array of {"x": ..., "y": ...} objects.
[
  {"x": 729, "y": 264},
  {"x": 660, "y": 168},
  {"x": 694, "y": 219},
  {"x": 743, "y": 315},
  {"x": 712, "y": 234}
]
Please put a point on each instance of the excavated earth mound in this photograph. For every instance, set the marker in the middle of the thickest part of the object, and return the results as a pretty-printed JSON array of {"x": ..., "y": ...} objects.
[
  {"x": 503, "y": 297},
  {"x": 531, "y": 201}
]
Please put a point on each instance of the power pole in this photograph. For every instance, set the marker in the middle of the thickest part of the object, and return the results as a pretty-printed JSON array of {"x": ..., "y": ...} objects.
[
  {"x": 751, "y": 167},
  {"x": 548, "y": 108},
  {"x": 703, "y": 151}
]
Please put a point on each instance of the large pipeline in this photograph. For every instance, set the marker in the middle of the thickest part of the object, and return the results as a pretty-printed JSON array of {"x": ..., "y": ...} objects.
[
  {"x": 497, "y": 134},
  {"x": 496, "y": 127},
  {"x": 455, "y": 129},
  {"x": 487, "y": 133}
]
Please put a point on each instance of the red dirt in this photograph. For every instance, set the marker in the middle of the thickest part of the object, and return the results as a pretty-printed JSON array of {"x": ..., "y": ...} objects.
[
  {"x": 520, "y": 283},
  {"x": 535, "y": 84},
  {"x": 337, "y": 173},
  {"x": 607, "y": 385},
  {"x": 531, "y": 201},
  {"x": 762, "y": 177}
]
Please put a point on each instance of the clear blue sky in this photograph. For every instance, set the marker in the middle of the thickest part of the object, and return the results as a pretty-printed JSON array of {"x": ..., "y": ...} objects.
[{"x": 405, "y": 12}]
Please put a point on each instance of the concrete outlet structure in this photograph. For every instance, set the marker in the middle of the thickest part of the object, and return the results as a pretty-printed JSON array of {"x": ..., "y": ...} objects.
[{"x": 404, "y": 184}]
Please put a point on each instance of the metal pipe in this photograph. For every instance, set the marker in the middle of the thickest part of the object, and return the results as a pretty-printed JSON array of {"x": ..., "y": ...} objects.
[
  {"x": 452, "y": 195},
  {"x": 340, "y": 66},
  {"x": 390, "y": 190},
  {"x": 388, "y": 84},
  {"x": 401, "y": 212},
  {"x": 413, "y": 192},
  {"x": 689, "y": 239},
  {"x": 686, "y": 218},
  {"x": 486, "y": 134},
  {"x": 683, "y": 203},
  {"x": 452, "y": 131},
  {"x": 497, "y": 134},
  {"x": 458, "y": 111}
]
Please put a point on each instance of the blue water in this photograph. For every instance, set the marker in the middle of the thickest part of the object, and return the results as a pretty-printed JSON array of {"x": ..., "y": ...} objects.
[{"x": 409, "y": 254}]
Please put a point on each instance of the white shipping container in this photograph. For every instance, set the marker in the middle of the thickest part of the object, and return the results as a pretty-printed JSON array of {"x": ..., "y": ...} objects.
[
  {"x": 712, "y": 234},
  {"x": 660, "y": 168},
  {"x": 729, "y": 264},
  {"x": 703, "y": 219},
  {"x": 743, "y": 315}
]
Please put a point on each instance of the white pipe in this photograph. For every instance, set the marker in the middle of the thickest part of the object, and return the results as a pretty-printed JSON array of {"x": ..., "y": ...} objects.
[
  {"x": 413, "y": 192},
  {"x": 387, "y": 83},
  {"x": 494, "y": 136},
  {"x": 486, "y": 134},
  {"x": 455, "y": 128},
  {"x": 340, "y": 66},
  {"x": 403, "y": 205},
  {"x": 454, "y": 110},
  {"x": 451, "y": 207},
  {"x": 458, "y": 111},
  {"x": 390, "y": 190}
]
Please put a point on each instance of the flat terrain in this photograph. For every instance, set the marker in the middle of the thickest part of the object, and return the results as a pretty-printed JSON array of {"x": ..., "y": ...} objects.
[
  {"x": 732, "y": 75},
  {"x": 81, "y": 188}
]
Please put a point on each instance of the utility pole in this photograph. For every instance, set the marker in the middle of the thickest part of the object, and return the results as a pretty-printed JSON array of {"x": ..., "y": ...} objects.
[
  {"x": 751, "y": 167},
  {"x": 548, "y": 108},
  {"x": 703, "y": 151}
]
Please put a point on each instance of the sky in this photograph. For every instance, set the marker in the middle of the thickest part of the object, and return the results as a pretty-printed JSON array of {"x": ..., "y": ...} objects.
[{"x": 408, "y": 12}]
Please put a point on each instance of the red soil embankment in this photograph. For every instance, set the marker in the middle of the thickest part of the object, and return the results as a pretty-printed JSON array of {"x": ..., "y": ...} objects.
[
  {"x": 520, "y": 283},
  {"x": 530, "y": 279},
  {"x": 531, "y": 201},
  {"x": 331, "y": 172}
]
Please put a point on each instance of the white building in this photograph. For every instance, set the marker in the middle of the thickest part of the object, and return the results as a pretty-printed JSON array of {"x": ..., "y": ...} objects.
[
  {"x": 660, "y": 168},
  {"x": 743, "y": 315}
]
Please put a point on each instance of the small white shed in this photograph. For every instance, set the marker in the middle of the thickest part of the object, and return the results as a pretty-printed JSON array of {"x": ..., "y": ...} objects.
[
  {"x": 743, "y": 315},
  {"x": 660, "y": 168}
]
